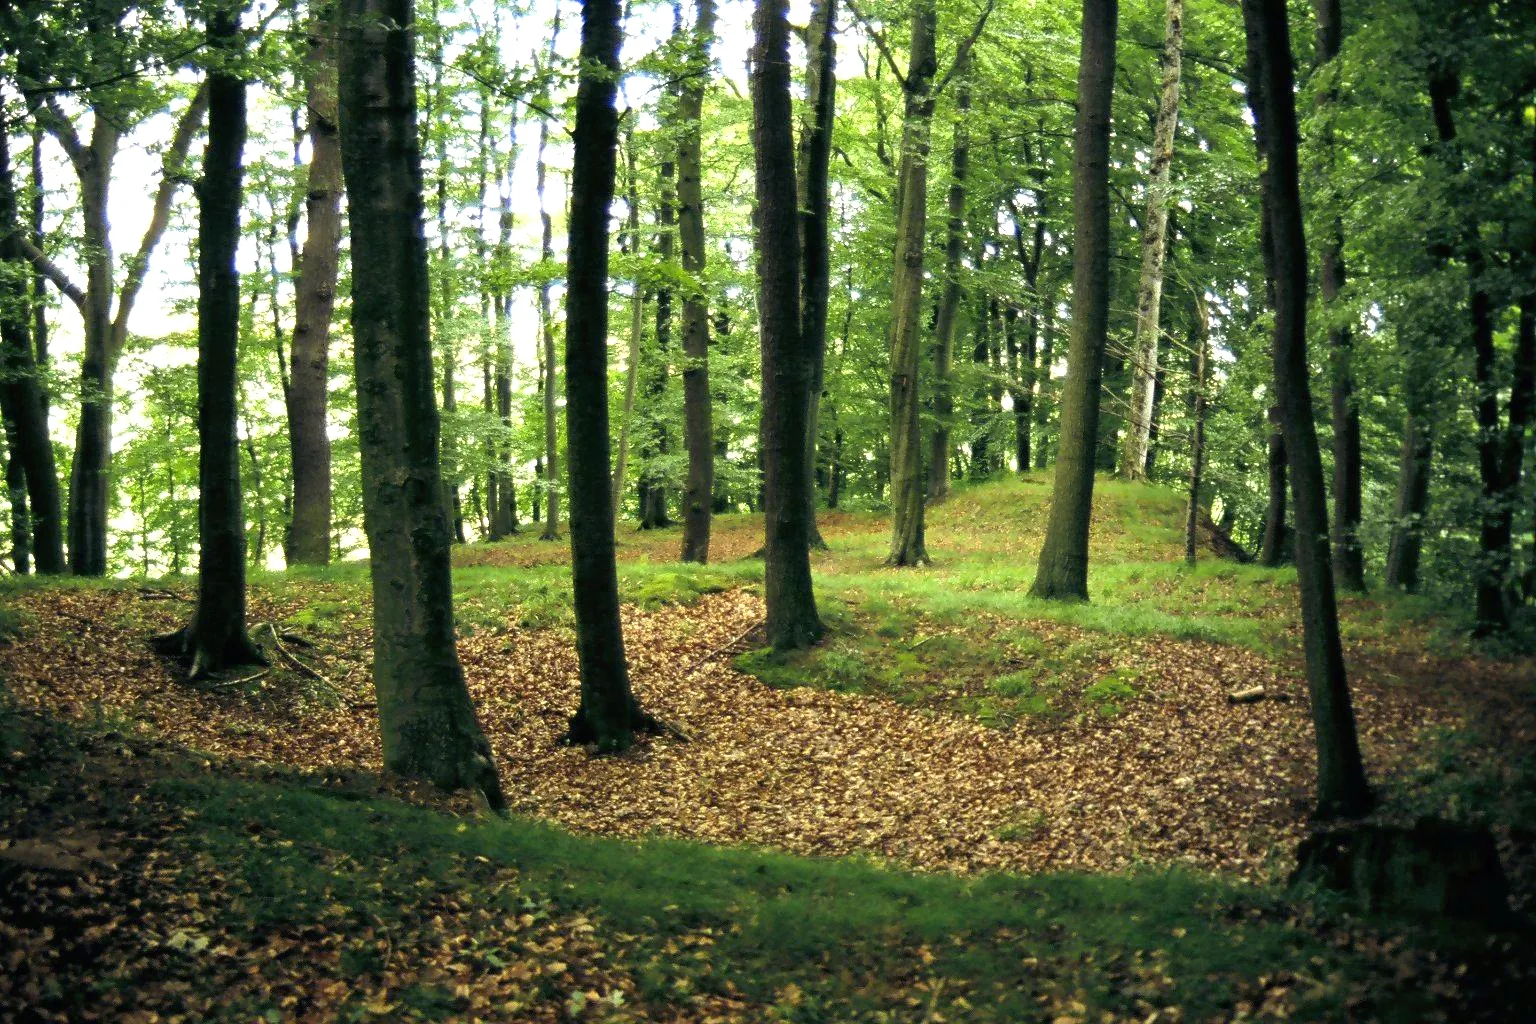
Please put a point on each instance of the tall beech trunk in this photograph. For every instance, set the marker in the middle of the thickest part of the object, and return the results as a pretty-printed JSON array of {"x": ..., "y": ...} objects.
[
  {"x": 1029, "y": 376},
  {"x": 552, "y": 484},
  {"x": 1349, "y": 558},
  {"x": 636, "y": 324},
  {"x": 653, "y": 490},
  {"x": 1201, "y": 336},
  {"x": 948, "y": 316},
  {"x": 981, "y": 406},
  {"x": 792, "y": 621},
  {"x": 31, "y": 475},
  {"x": 216, "y": 637},
  {"x": 1063, "y": 572},
  {"x": 907, "y": 543},
  {"x": 1342, "y": 790},
  {"x": 698, "y": 428},
  {"x": 426, "y": 718},
  {"x": 504, "y": 509},
  {"x": 1046, "y": 304},
  {"x": 608, "y": 715},
  {"x": 309, "y": 444},
  {"x": 1154, "y": 250},
  {"x": 1274, "y": 546},
  {"x": 813, "y": 160}
]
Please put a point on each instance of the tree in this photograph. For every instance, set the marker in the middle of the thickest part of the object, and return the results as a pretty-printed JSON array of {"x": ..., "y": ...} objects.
[
  {"x": 547, "y": 324},
  {"x": 425, "y": 715},
  {"x": 1154, "y": 249},
  {"x": 793, "y": 623},
  {"x": 216, "y": 637},
  {"x": 947, "y": 318},
  {"x": 1063, "y": 571},
  {"x": 608, "y": 715},
  {"x": 1342, "y": 790},
  {"x": 309, "y": 528}
]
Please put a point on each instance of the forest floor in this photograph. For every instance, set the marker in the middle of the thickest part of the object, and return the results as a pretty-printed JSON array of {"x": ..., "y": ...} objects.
[{"x": 964, "y": 805}]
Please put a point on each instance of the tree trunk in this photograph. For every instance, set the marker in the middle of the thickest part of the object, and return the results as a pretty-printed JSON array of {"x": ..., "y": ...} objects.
[
  {"x": 1412, "y": 503},
  {"x": 30, "y": 472},
  {"x": 813, "y": 159},
  {"x": 1202, "y": 343},
  {"x": 1274, "y": 547},
  {"x": 504, "y": 510},
  {"x": 216, "y": 639},
  {"x": 636, "y": 327},
  {"x": 1341, "y": 784},
  {"x": 552, "y": 484},
  {"x": 1154, "y": 248},
  {"x": 907, "y": 543},
  {"x": 948, "y": 316},
  {"x": 1063, "y": 572},
  {"x": 309, "y": 529},
  {"x": 653, "y": 501},
  {"x": 792, "y": 621},
  {"x": 608, "y": 716},
  {"x": 698, "y": 429},
  {"x": 426, "y": 717}
]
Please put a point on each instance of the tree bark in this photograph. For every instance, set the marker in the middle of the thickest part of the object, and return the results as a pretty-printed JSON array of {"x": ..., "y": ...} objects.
[
  {"x": 426, "y": 717},
  {"x": 608, "y": 715},
  {"x": 698, "y": 427},
  {"x": 1274, "y": 547},
  {"x": 1412, "y": 503},
  {"x": 552, "y": 484},
  {"x": 1202, "y": 339},
  {"x": 1342, "y": 790},
  {"x": 216, "y": 639},
  {"x": 653, "y": 489},
  {"x": 1154, "y": 249},
  {"x": 907, "y": 542},
  {"x": 948, "y": 318},
  {"x": 636, "y": 326},
  {"x": 309, "y": 444},
  {"x": 792, "y": 621},
  {"x": 1063, "y": 572}
]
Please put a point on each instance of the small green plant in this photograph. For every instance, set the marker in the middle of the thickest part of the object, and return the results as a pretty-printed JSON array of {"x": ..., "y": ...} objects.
[
  {"x": 1025, "y": 828},
  {"x": 1109, "y": 694}
]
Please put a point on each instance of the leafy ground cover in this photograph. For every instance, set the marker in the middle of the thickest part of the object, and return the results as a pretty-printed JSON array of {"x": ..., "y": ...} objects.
[{"x": 1074, "y": 788}]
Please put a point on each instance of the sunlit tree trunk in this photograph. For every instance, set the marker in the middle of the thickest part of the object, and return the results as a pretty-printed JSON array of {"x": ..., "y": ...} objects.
[{"x": 1063, "y": 572}]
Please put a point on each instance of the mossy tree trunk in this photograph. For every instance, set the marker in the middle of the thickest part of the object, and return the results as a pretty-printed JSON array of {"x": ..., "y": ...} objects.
[
  {"x": 1342, "y": 790},
  {"x": 1063, "y": 571},
  {"x": 426, "y": 718}
]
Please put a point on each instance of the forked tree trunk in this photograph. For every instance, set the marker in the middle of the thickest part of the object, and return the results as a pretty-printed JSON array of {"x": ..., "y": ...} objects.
[
  {"x": 426, "y": 717},
  {"x": 1342, "y": 790},
  {"x": 216, "y": 637},
  {"x": 309, "y": 529},
  {"x": 792, "y": 621},
  {"x": 1063, "y": 572},
  {"x": 698, "y": 429},
  {"x": 608, "y": 715},
  {"x": 907, "y": 543},
  {"x": 1154, "y": 249},
  {"x": 948, "y": 318}
]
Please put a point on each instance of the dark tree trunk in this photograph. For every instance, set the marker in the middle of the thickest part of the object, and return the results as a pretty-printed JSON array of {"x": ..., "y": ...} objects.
[
  {"x": 814, "y": 157},
  {"x": 309, "y": 529},
  {"x": 792, "y": 623},
  {"x": 426, "y": 717},
  {"x": 1274, "y": 547},
  {"x": 981, "y": 407},
  {"x": 948, "y": 317},
  {"x": 31, "y": 474},
  {"x": 1201, "y": 336},
  {"x": 1047, "y": 321},
  {"x": 1159, "y": 386},
  {"x": 653, "y": 490},
  {"x": 1063, "y": 572},
  {"x": 547, "y": 339},
  {"x": 698, "y": 429},
  {"x": 216, "y": 638},
  {"x": 504, "y": 509},
  {"x": 1341, "y": 784},
  {"x": 608, "y": 716},
  {"x": 1412, "y": 503}
]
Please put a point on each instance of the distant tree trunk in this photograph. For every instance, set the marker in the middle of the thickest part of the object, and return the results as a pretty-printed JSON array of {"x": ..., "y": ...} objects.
[
  {"x": 1063, "y": 572},
  {"x": 1045, "y": 363},
  {"x": 31, "y": 476},
  {"x": 504, "y": 515},
  {"x": 609, "y": 715},
  {"x": 426, "y": 717},
  {"x": 1412, "y": 503},
  {"x": 636, "y": 328},
  {"x": 948, "y": 317},
  {"x": 653, "y": 490},
  {"x": 309, "y": 529},
  {"x": 216, "y": 638},
  {"x": 1202, "y": 343},
  {"x": 981, "y": 408},
  {"x": 1341, "y": 784},
  {"x": 547, "y": 337},
  {"x": 1154, "y": 249},
  {"x": 1274, "y": 547},
  {"x": 792, "y": 621},
  {"x": 813, "y": 158},
  {"x": 907, "y": 542},
  {"x": 1349, "y": 564},
  {"x": 1159, "y": 385},
  {"x": 698, "y": 429}
]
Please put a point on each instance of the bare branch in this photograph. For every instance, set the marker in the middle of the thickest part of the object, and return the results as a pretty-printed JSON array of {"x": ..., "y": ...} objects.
[
  {"x": 963, "y": 53},
  {"x": 59, "y": 126},
  {"x": 879, "y": 40}
]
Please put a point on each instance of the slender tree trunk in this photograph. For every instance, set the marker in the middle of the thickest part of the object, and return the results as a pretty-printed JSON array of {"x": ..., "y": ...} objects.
[
  {"x": 609, "y": 715},
  {"x": 309, "y": 444},
  {"x": 1045, "y": 364},
  {"x": 948, "y": 316},
  {"x": 1063, "y": 572},
  {"x": 216, "y": 639},
  {"x": 653, "y": 500},
  {"x": 792, "y": 621},
  {"x": 1154, "y": 249},
  {"x": 1202, "y": 339},
  {"x": 907, "y": 543},
  {"x": 552, "y": 484},
  {"x": 636, "y": 327},
  {"x": 1341, "y": 781},
  {"x": 1411, "y": 505},
  {"x": 16, "y": 494},
  {"x": 812, "y": 160},
  {"x": 504, "y": 514},
  {"x": 698, "y": 427},
  {"x": 426, "y": 717},
  {"x": 1274, "y": 547},
  {"x": 981, "y": 407}
]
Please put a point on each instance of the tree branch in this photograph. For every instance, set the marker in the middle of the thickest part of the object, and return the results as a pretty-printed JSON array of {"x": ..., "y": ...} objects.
[
  {"x": 170, "y": 180},
  {"x": 878, "y": 38},
  {"x": 963, "y": 52},
  {"x": 60, "y": 128},
  {"x": 52, "y": 271}
]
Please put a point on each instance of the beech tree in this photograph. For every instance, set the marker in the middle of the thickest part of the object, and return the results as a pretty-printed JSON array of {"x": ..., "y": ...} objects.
[{"x": 698, "y": 430}]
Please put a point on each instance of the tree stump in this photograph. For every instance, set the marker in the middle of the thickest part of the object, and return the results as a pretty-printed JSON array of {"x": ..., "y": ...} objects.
[{"x": 1432, "y": 867}]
